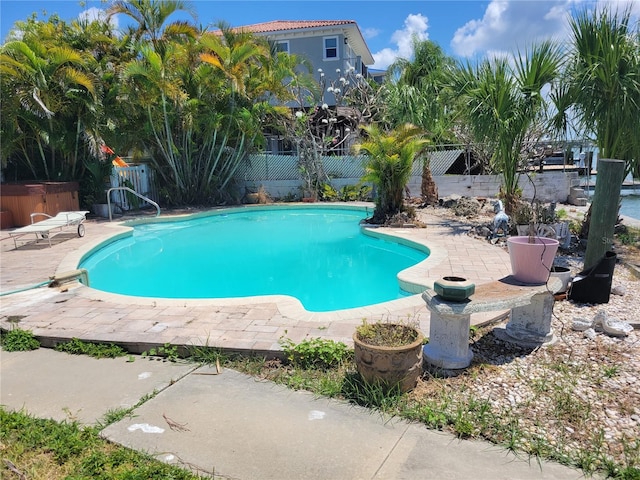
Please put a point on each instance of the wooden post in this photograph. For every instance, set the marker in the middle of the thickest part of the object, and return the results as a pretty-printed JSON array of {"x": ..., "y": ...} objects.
[{"x": 604, "y": 209}]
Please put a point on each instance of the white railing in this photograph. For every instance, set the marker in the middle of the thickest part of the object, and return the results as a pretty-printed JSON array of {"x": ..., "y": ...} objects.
[
  {"x": 138, "y": 178},
  {"x": 132, "y": 192}
]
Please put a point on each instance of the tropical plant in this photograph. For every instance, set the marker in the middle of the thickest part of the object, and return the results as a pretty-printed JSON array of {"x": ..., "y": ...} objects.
[
  {"x": 503, "y": 100},
  {"x": 604, "y": 81},
  {"x": 417, "y": 92},
  {"x": 50, "y": 98},
  {"x": 390, "y": 157},
  {"x": 603, "y": 78},
  {"x": 204, "y": 102},
  {"x": 151, "y": 18}
]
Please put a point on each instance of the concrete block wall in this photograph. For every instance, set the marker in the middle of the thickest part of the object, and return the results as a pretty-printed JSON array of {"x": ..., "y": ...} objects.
[
  {"x": 546, "y": 187},
  {"x": 549, "y": 186}
]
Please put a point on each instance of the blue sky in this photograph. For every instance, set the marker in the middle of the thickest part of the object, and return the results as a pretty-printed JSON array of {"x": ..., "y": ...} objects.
[{"x": 466, "y": 29}]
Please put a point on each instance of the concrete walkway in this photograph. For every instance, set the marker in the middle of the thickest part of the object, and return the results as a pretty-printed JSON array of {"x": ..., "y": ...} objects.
[
  {"x": 234, "y": 426},
  {"x": 237, "y": 427}
]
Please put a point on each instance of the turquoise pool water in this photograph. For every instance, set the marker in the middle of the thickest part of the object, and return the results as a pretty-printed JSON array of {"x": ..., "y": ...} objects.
[{"x": 318, "y": 255}]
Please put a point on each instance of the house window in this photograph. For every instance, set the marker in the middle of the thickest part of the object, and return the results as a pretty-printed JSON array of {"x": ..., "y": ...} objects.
[
  {"x": 330, "y": 48},
  {"x": 282, "y": 46}
]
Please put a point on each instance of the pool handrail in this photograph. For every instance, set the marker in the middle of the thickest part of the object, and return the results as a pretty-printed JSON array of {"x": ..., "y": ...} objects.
[{"x": 127, "y": 189}]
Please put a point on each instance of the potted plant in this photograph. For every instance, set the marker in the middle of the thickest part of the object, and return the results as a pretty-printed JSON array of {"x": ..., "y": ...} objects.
[
  {"x": 545, "y": 221},
  {"x": 532, "y": 254},
  {"x": 389, "y": 354}
]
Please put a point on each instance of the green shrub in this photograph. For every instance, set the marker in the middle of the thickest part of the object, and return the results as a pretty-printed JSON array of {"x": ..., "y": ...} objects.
[
  {"x": 97, "y": 350},
  {"x": 17, "y": 340},
  {"x": 316, "y": 353},
  {"x": 167, "y": 351}
]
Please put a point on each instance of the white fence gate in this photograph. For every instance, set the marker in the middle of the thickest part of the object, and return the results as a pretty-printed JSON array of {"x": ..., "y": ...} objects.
[{"x": 138, "y": 177}]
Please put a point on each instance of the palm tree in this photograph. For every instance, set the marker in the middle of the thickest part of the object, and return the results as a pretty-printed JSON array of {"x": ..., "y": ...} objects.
[
  {"x": 151, "y": 17},
  {"x": 237, "y": 55},
  {"x": 203, "y": 101},
  {"x": 503, "y": 102},
  {"x": 389, "y": 163},
  {"x": 417, "y": 92},
  {"x": 50, "y": 90},
  {"x": 604, "y": 79},
  {"x": 604, "y": 92}
]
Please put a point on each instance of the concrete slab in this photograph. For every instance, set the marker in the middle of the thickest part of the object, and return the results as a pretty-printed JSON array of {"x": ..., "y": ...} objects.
[
  {"x": 234, "y": 426},
  {"x": 242, "y": 428},
  {"x": 428, "y": 454},
  {"x": 50, "y": 384}
]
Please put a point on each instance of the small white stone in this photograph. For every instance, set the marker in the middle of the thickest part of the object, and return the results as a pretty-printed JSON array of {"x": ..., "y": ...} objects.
[
  {"x": 618, "y": 290},
  {"x": 580, "y": 324}
]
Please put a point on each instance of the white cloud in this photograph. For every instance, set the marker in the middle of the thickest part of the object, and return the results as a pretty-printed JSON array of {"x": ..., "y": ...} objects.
[
  {"x": 94, "y": 13},
  {"x": 369, "y": 33},
  {"x": 622, "y": 5},
  {"x": 415, "y": 25},
  {"x": 508, "y": 25}
]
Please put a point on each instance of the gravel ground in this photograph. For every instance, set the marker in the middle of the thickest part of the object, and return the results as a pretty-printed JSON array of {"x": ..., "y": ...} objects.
[{"x": 578, "y": 399}]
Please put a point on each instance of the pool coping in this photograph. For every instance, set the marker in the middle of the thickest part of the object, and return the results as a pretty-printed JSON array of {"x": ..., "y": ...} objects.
[{"x": 412, "y": 279}]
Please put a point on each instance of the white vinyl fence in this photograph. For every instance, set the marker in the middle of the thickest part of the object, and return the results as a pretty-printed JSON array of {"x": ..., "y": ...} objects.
[{"x": 138, "y": 177}]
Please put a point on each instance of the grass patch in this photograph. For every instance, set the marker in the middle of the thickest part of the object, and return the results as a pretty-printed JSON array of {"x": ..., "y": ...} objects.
[
  {"x": 316, "y": 353},
  {"x": 43, "y": 448}
]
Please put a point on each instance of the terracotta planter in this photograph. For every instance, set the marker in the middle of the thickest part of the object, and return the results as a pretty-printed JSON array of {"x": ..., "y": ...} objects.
[
  {"x": 531, "y": 262},
  {"x": 390, "y": 366}
]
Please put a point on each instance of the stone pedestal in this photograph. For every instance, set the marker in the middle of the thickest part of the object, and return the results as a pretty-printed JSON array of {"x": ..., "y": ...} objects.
[
  {"x": 532, "y": 323},
  {"x": 530, "y": 319},
  {"x": 448, "y": 345}
]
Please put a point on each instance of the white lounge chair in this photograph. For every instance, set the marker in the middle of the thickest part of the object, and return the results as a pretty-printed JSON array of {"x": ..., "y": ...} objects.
[{"x": 52, "y": 226}]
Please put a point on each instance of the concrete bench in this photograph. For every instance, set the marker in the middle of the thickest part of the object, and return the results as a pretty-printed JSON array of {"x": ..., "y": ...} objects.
[{"x": 529, "y": 324}]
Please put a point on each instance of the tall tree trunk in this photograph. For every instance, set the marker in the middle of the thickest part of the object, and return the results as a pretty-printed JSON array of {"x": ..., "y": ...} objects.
[{"x": 428, "y": 188}]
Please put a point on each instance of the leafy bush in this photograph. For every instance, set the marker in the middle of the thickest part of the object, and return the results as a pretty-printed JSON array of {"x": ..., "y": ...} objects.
[
  {"x": 167, "y": 351},
  {"x": 97, "y": 350},
  {"x": 17, "y": 340},
  {"x": 316, "y": 353}
]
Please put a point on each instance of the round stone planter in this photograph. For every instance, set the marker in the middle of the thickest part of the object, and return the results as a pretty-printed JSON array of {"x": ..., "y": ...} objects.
[
  {"x": 390, "y": 366},
  {"x": 455, "y": 289}
]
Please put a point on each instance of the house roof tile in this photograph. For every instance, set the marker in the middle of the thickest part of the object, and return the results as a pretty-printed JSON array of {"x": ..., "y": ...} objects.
[{"x": 280, "y": 25}]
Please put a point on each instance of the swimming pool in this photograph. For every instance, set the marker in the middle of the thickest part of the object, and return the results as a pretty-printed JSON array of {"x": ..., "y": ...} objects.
[{"x": 318, "y": 255}]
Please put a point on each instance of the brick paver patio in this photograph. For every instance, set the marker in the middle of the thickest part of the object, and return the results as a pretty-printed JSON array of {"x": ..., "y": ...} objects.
[{"x": 240, "y": 324}]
